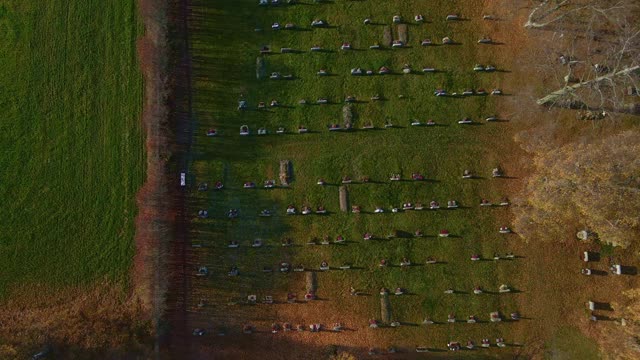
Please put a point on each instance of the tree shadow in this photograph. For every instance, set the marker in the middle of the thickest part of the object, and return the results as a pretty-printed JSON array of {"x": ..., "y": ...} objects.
[
  {"x": 412, "y": 324},
  {"x": 323, "y": 51}
]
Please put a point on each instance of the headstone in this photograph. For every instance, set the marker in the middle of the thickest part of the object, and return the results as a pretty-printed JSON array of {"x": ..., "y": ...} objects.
[
  {"x": 586, "y": 235},
  {"x": 583, "y": 235}
]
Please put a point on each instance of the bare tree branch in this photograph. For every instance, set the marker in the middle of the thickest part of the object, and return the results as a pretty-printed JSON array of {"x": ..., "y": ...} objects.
[
  {"x": 597, "y": 43},
  {"x": 569, "y": 90},
  {"x": 533, "y": 21}
]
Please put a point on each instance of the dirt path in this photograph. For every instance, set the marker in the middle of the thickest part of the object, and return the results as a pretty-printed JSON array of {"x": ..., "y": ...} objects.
[{"x": 177, "y": 343}]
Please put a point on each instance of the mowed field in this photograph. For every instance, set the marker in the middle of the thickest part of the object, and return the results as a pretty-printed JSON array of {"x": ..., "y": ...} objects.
[
  {"x": 71, "y": 146},
  {"x": 225, "y": 45}
]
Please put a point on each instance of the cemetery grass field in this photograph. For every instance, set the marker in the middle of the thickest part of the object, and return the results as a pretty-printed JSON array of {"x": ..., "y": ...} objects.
[
  {"x": 224, "y": 49},
  {"x": 73, "y": 160},
  {"x": 72, "y": 149}
]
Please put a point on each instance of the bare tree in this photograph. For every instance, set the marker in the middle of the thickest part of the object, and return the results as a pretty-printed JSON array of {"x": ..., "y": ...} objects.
[
  {"x": 593, "y": 53},
  {"x": 548, "y": 12},
  {"x": 592, "y": 183}
]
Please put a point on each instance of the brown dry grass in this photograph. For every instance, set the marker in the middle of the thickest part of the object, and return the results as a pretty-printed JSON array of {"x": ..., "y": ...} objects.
[
  {"x": 617, "y": 341},
  {"x": 556, "y": 293},
  {"x": 101, "y": 321},
  {"x": 154, "y": 222}
]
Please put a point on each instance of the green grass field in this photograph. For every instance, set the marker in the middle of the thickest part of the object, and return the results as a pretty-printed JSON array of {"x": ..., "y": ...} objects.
[
  {"x": 225, "y": 47},
  {"x": 569, "y": 343},
  {"x": 71, "y": 144}
]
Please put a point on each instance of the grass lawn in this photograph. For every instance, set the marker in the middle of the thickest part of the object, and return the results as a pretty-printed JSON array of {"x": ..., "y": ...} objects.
[
  {"x": 225, "y": 47},
  {"x": 570, "y": 343},
  {"x": 71, "y": 144}
]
